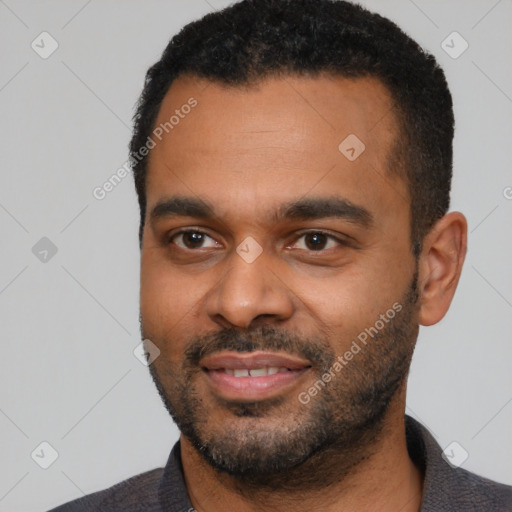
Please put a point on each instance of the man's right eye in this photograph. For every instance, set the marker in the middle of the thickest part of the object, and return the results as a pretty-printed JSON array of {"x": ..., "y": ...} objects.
[{"x": 192, "y": 239}]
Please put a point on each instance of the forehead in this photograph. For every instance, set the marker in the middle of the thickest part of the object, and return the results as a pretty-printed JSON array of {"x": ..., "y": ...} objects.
[
  {"x": 326, "y": 104},
  {"x": 281, "y": 137}
]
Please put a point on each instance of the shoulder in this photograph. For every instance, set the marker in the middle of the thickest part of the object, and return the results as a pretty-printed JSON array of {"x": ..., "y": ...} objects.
[
  {"x": 137, "y": 493},
  {"x": 449, "y": 488},
  {"x": 478, "y": 493},
  {"x": 153, "y": 491}
]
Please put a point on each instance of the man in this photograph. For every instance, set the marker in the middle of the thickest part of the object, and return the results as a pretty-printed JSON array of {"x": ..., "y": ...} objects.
[{"x": 293, "y": 160}]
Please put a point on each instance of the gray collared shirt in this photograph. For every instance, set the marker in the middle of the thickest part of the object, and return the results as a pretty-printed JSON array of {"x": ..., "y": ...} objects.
[{"x": 445, "y": 488}]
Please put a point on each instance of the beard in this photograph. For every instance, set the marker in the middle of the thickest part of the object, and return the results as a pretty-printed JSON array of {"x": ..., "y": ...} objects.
[{"x": 284, "y": 443}]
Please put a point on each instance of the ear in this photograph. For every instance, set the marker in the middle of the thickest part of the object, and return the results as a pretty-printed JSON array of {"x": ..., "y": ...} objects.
[{"x": 440, "y": 266}]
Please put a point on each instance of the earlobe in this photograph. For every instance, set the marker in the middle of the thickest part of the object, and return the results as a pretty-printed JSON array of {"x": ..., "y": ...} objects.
[{"x": 440, "y": 266}]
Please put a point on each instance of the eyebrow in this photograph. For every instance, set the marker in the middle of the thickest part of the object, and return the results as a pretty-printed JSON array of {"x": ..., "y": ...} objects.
[{"x": 301, "y": 209}]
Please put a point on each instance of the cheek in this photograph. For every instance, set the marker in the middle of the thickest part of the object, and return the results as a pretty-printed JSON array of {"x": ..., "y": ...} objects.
[
  {"x": 163, "y": 299},
  {"x": 346, "y": 304},
  {"x": 170, "y": 305}
]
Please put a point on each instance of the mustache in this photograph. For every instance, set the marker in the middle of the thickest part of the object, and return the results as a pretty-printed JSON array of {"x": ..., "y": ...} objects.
[{"x": 264, "y": 338}]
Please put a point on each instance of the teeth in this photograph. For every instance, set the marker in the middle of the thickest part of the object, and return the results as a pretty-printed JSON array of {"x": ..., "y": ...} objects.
[{"x": 256, "y": 372}]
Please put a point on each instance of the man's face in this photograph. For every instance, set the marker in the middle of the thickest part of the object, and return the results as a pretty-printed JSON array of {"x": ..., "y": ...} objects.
[{"x": 295, "y": 247}]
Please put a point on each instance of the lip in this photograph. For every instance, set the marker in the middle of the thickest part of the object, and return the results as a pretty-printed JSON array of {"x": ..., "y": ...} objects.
[
  {"x": 252, "y": 388},
  {"x": 250, "y": 360}
]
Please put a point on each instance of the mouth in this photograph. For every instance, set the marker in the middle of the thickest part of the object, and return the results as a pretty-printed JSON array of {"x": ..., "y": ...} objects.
[{"x": 253, "y": 376}]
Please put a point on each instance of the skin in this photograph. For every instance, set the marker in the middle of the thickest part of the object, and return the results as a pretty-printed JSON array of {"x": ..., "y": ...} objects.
[{"x": 246, "y": 152}]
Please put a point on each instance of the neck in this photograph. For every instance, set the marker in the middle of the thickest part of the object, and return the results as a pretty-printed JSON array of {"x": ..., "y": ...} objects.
[{"x": 379, "y": 476}]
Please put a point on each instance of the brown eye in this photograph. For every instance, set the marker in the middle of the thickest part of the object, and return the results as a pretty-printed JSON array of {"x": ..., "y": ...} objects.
[
  {"x": 192, "y": 240},
  {"x": 317, "y": 241}
]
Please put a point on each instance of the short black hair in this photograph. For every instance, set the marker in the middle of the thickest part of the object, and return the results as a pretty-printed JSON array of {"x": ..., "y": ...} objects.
[{"x": 255, "y": 39}]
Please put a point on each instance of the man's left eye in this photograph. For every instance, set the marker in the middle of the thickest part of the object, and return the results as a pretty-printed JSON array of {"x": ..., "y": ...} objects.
[{"x": 317, "y": 241}]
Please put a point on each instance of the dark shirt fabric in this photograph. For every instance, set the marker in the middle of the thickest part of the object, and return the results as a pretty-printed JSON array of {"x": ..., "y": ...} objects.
[{"x": 445, "y": 489}]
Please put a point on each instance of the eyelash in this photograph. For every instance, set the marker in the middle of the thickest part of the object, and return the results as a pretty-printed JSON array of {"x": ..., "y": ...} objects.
[{"x": 340, "y": 241}]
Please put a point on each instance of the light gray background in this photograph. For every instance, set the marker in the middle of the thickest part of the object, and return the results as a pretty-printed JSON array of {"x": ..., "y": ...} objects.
[{"x": 68, "y": 375}]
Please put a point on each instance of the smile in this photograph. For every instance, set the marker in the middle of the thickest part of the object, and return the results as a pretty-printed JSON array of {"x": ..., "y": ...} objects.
[
  {"x": 253, "y": 376},
  {"x": 256, "y": 372}
]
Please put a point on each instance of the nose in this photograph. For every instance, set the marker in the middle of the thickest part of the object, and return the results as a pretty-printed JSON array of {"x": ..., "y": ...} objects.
[{"x": 250, "y": 293}]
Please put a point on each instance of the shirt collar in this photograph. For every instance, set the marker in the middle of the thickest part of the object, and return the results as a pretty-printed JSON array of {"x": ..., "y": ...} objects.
[{"x": 422, "y": 447}]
